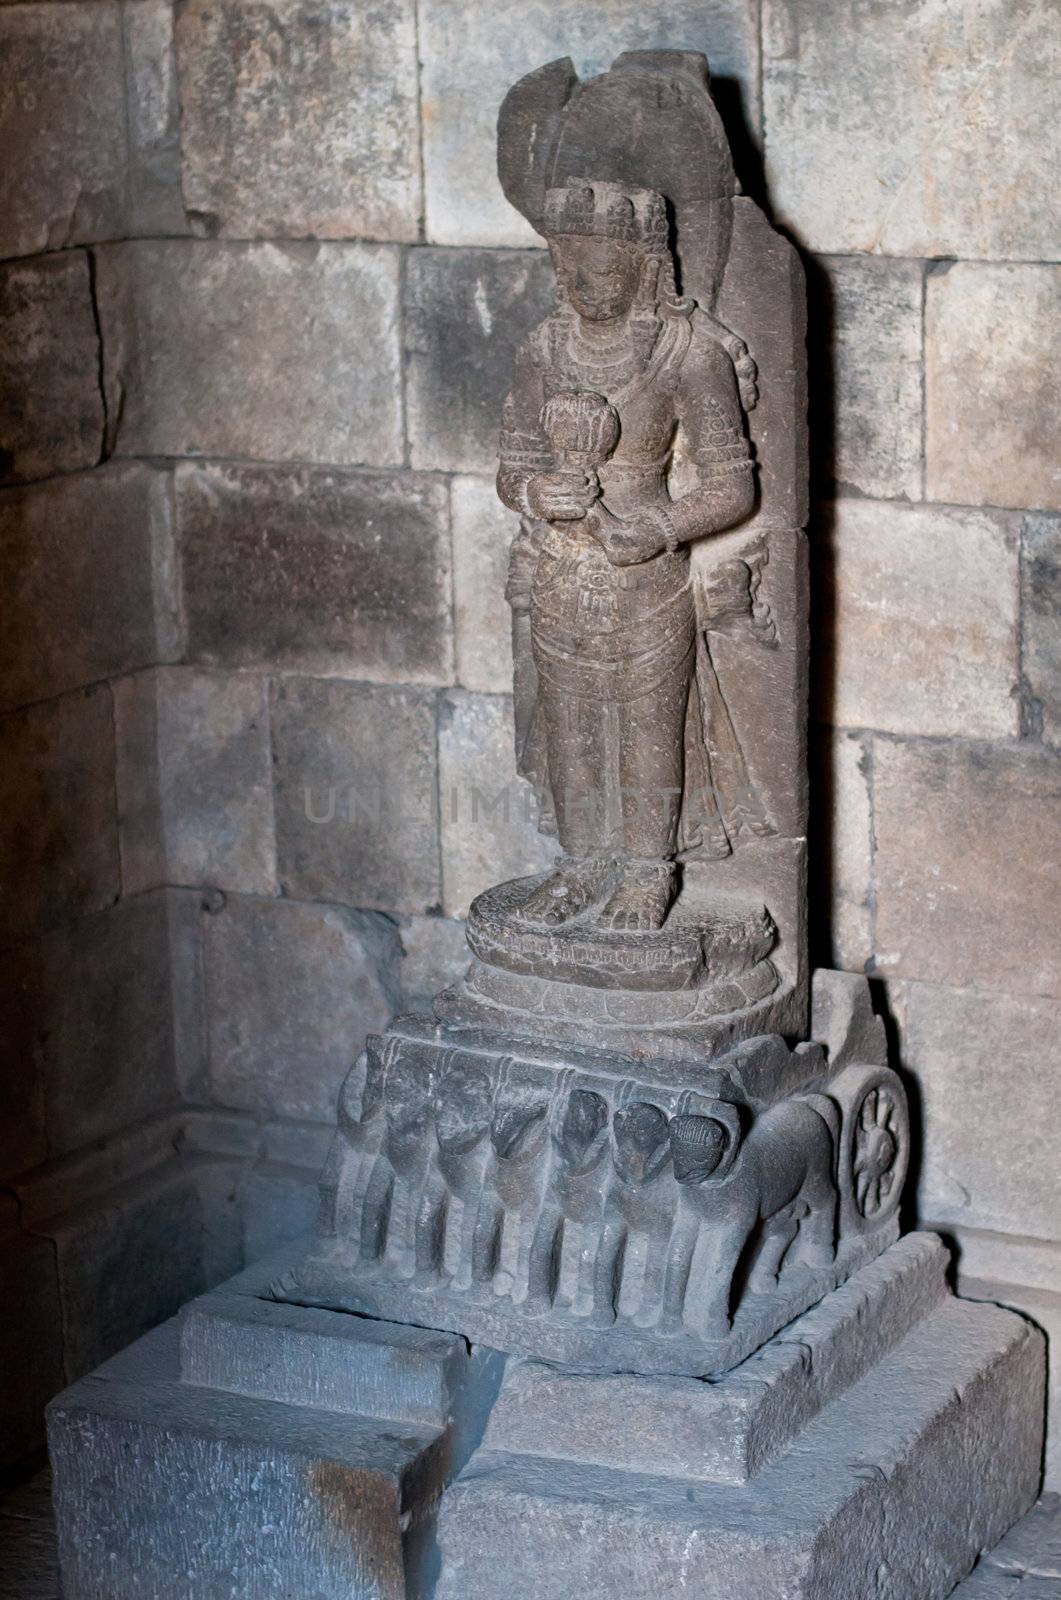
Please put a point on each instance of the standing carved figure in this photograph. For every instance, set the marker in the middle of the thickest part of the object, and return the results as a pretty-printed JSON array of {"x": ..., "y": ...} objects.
[{"x": 606, "y": 388}]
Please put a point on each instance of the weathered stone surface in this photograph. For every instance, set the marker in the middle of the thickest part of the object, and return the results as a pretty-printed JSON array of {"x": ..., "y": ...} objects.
[
  {"x": 194, "y": 781},
  {"x": 987, "y": 1103},
  {"x": 489, "y": 817},
  {"x": 923, "y": 608},
  {"x": 1014, "y": 1258},
  {"x": 1043, "y": 1308},
  {"x": 483, "y": 530},
  {"x": 728, "y": 1430},
  {"x": 843, "y": 1019},
  {"x": 300, "y": 568},
  {"x": 29, "y": 1558},
  {"x": 62, "y": 126},
  {"x": 292, "y": 990},
  {"x": 278, "y": 1204},
  {"x": 992, "y": 356},
  {"x": 94, "y": 1020},
  {"x": 155, "y": 200},
  {"x": 59, "y": 837},
  {"x": 31, "y": 1337},
  {"x": 1041, "y": 639},
  {"x": 841, "y": 908},
  {"x": 966, "y": 865},
  {"x": 272, "y": 351},
  {"x": 330, "y": 91},
  {"x": 307, "y": 1357},
  {"x": 434, "y": 954},
  {"x": 867, "y": 315},
  {"x": 51, "y": 406},
  {"x": 939, "y": 126},
  {"x": 89, "y": 582},
  {"x": 356, "y": 794},
  {"x": 892, "y": 1489},
  {"x": 209, "y": 1492},
  {"x": 1034, "y": 1545},
  {"x": 126, "y": 1262},
  {"x": 466, "y": 73},
  {"x": 465, "y": 313}
]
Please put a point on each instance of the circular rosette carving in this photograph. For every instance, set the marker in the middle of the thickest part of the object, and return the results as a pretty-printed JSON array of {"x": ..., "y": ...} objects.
[{"x": 874, "y": 1145}]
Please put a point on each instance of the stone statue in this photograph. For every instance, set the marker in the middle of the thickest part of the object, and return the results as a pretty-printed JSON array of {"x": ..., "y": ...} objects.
[
  {"x": 602, "y": 387},
  {"x": 604, "y": 1148}
]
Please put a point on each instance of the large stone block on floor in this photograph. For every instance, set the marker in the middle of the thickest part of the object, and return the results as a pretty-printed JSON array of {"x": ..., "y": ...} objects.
[
  {"x": 1041, "y": 642},
  {"x": 292, "y": 991},
  {"x": 331, "y": 573},
  {"x": 274, "y": 352},
  {"x": 989, "y": 1108},
  {"x": 992, "y": 356},
  {"x": 922, "y": 604},
  {"x": 903, "y": 131},
  {"x": 62, "y": 126},
  {"x": 865, "y": 317},
  {"x": 300, "y": 118},
  {"x": 466, "y": 72},
  {"x": 466, "y": 312},
  {"x": 356, "y": 794},
  {"x": 194, "y": 781},
  {"x": 90, "y": 589},
  {"x": 58, "y": 837},
  {"x": 892, "y": 1491},
  {"x": 51, "y": 407},
  {"x": 967, "y": 872}
]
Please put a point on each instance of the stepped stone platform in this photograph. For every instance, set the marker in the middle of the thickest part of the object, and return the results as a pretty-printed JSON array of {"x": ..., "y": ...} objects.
[{"x": 874, "y": 1447}]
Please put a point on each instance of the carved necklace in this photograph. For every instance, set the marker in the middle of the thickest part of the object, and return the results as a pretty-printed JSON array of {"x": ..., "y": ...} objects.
[{"x": 609, "y": 364}]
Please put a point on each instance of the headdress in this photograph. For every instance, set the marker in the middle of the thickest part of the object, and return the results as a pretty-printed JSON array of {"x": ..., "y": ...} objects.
[{"x": 595, "y": 209}]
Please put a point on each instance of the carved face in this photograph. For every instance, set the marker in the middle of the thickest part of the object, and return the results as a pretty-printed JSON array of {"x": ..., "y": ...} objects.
[{"x": 599, "y": 276}]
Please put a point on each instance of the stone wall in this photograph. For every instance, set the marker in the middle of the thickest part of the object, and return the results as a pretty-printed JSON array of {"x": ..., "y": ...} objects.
[{"x": 260, "y": 293}]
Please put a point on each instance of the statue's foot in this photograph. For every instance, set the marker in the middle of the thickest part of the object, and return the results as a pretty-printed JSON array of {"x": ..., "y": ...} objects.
[
  {"x": 641, "y": 902},
  {"x": 571, "y": 889}
]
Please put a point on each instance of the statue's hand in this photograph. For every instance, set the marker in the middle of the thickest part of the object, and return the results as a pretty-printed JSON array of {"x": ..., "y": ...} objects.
[
  {"x": 562, "y": 496},
  {"x": 624, "y": 543}
]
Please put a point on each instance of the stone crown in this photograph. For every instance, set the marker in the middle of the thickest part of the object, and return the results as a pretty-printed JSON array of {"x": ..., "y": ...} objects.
[{"x": 600, "y": 210}]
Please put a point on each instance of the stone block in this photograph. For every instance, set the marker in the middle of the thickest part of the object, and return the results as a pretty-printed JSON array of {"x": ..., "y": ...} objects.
[
  {"x": 275, "y": 351},
  {"x": 62, "y": 126},
  {"x": 194, "y": 781},
  {"x": 169, "y": 1490},
  {"x": 434, "y": 954},
  {"x": 279, "y": 1204},
  {"x": 88, "y": 573},
  {"x": 59, "y": 838},
  {"x": 966, "y": 865},
  {"x": 992, "y": 355},
  {"x": 483, "y": 530},
  {"x": 724, "y": 1431},
  {"x": 300, "y": 118},
  {"x": 331, "y": 573},
  {"x": 126, "y": 1261},
  {"x": 93, "y": 1021},
  {"x": 841, "y": 900},
  {"x": 989, "y": 1112},
  {"x": 304, "y": 1356},
  {"x": 1041, "y": 641},
  {"x": 866, "y": 314},
  {"x": 843, "y": 1019},
  {"x": 51, "y": 406},
  {"x": 292, "y": 991},
  {"x": 904, "y": 133},
  {"x": 155, "y": 202},
  {"x": 1033, "y": 1546},
  {"x": 356, "y": 794},
  {"x": 467, "y": 72},
  {"x": 29, "y": 1560},
  {"x": 465, "y": 313},
  {"x": 489, "y": 826},
  {"x": 31, "y": 1337},
  {"x": 1043, "y": 1308},
  {"x": 922, "y": 604},
  {"x": 1014, "y": 1258},
  {"x": 891, "y": 1490}
]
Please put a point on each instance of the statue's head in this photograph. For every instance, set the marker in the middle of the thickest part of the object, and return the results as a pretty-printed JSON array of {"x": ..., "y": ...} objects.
[{"x": 608, "y": 240}]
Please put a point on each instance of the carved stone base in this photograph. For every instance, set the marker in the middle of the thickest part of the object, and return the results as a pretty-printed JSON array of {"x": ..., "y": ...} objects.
[{"x": 653, "y": 1216}]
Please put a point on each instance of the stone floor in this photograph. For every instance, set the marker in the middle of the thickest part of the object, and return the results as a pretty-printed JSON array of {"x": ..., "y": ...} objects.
[{"x": 1025, "y": 1566}]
